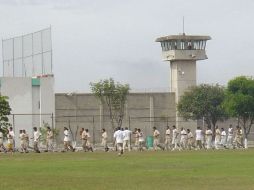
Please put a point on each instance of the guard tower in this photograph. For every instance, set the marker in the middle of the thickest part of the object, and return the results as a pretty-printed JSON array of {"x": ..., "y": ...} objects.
[{"x": 182, "y": 51}]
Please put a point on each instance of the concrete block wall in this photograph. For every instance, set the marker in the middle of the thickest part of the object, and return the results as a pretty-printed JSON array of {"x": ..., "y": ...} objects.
[{"x": 85, "y": 111}]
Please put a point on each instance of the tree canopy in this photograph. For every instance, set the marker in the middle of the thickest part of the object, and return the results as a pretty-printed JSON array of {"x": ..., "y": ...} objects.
[
  {"x": 113, "y": 95},
  {"x": 239, "y": 101},
  {"x": 203, "y": 101},
  {"x": 5, "y": 110}
]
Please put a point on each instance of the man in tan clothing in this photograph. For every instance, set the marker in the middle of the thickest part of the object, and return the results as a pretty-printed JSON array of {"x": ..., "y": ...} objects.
[
  {"x": 104, "y": 138},
  {"x": 217, "y": 138},
  {"x": 84, "y": 139},
  {"x": 156, "y": 139},
  {"x": 88, "y": 143},
  {"x": 208, "y": 136},
  {"x": 168, "y": 138},
  {"x": 49, "y": 140},
  {"x": 22, "y": 141},
  {"x": 190, "y": 140},
  {"x": 239, "y": 137},
  {"x": 136, "y": 136},
  {"x": 26, "y": 141}
]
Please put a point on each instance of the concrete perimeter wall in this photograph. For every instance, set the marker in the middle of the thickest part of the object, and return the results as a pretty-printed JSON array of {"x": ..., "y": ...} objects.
[{"x": 142, "y": 110}]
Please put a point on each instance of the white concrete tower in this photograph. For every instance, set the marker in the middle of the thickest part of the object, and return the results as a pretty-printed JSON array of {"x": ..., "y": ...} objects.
[{"x": 182, "y": 51}]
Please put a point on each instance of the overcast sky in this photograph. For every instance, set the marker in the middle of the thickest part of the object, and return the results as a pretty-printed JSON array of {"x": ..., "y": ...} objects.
[{"x": 97, "y": 39}]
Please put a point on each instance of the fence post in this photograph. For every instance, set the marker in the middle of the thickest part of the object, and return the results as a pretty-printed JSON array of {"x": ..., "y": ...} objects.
[
  {"x": 54, "y": 131},
  {"x": 52, "y": 120},
  {"x": 13, "y": 121},
  {"x": 93, "y": 132},
  {"x": 129, "y": 122}
]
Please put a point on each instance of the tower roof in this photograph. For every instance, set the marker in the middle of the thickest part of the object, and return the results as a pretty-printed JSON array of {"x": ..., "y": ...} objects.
[{"x": 182, "y": 37}]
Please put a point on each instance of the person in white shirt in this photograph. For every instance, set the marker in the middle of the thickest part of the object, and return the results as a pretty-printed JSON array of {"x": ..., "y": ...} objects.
[
  {"x": 118, "y": 136},
  {"x": 167, "y": 138},
  {"x": 49, "y": 140},
  {"x": 217, "y": 138},
  {"x": 104, "y": 139},
  {"x": 67, "y": 141},
  {"x": 2, "y": 141},
  {"x": 223, "y": 138},
  {"x": 208, "y": 135},
  {"x": 183, "y": 138},
  {"x": 199, "y": 137},
  {"x": 36, "y": 138},
  {"x": 175, "y": 142},
  {"x": 230, "y": 136},
  {"x": 141, "y": 140},
  {"x": 127, "y": 139}
]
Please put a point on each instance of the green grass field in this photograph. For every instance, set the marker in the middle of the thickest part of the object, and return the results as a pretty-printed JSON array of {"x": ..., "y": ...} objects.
[{"x": 195, "y": 170}]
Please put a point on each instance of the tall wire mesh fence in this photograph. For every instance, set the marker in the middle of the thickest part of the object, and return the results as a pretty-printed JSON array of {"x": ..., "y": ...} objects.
[
  {"x": 28, "y": 55},
  {"x": 95, "y": 123}
]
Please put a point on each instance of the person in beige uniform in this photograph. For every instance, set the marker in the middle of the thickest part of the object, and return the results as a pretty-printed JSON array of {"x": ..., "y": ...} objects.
[
  {"x": 84, "y": 139},
  {"x": 136, "y": 136},
  {"x": 183, "y": 139},
  {"x": 88, "y": 143},
  {"x": 239, "y": 137},
  {"x": 190, "y": 140},
  {"x": 208, "y": 136},
  {"x": 156, "y": 135},
  {"x": 156, "y": 139},
  {"x": 141, "y": 139},
  {"x": 22, "y": 141},
  {"x": 217, "y": 138},
  {"x": 175, "y": 139},
  {"x": 104, "y": 138},
  {"x": 26, "y": 141},
  {"x": 49, "y": 140},
  {"x": 230, "y": 137},
  {"x": 10, "y": 142},
  {"x": 168, "y": 139}
]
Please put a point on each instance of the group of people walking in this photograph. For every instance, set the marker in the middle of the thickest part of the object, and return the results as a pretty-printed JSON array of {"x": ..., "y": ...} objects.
[
  {"x": 180, "y": 139},
  {"x": 174, "y": 139},
  {"x": 25, "y": 140},
  {"x": 207, "y": 138}
]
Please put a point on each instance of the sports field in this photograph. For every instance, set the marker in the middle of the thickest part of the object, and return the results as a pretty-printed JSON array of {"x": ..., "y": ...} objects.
[{"x": 216, "y": 170}]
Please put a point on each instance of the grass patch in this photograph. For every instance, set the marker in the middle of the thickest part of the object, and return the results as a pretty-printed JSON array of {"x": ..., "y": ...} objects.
[{"x": 193, "y": 170}]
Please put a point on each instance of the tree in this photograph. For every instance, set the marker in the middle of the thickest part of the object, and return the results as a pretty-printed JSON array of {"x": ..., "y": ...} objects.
[
  {"x": 114, "y": 96},
  {"x": 203, "y": 102},
  {"x": 239, "y": 102},
  {"x": 5, "y": 110}
]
